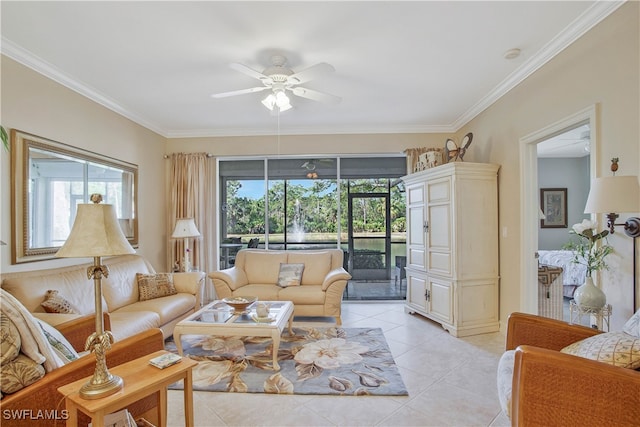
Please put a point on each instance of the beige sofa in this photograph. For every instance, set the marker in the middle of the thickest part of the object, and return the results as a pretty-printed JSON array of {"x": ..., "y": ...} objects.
[
  {"x": 120, "y": 295},
  {"x": 256, "y": 273}
]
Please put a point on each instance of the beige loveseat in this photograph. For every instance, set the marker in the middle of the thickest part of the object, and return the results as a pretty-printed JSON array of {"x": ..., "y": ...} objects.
[
  {"x": 256, "y": 273},
  {"x": 121, "y": 297}
]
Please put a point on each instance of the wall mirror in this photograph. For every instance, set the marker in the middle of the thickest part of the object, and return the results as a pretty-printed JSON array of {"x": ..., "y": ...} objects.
[{"x": 49, "y": 180}]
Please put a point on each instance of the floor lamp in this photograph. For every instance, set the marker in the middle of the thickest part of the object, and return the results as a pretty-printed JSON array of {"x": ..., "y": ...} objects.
[
  {"x": 96, "y": 233},
  {"x": 611, "y": 195},
  {"x": 185, "y": 228}
]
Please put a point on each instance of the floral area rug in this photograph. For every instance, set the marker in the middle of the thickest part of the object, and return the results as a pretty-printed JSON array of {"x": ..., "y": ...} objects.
[{"x": 335, "y": 361}]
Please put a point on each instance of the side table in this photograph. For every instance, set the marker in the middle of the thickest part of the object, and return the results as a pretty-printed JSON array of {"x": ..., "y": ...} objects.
[
  {"x": 140, "y": 380},
  {"x": 602, "y": 315}
]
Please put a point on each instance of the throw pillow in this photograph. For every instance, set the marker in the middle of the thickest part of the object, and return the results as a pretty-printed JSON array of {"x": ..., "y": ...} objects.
[
  {"x": 152, "y": 286},
  {"x": 614, "y": 348},
  {"x": 9, "y": 340},
  {"x": 19, "y": 373},
  {"x": 505, "y": 380},
  {"x": 290, "y": 274},
  {"x": 632, "y": 327},
  {"x": 59, "y": 343},
  {"x": 56, "y": 303}
]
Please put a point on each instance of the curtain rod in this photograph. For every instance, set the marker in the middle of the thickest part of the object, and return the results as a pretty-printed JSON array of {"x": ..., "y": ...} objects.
[{"x": 166, "y": 156}]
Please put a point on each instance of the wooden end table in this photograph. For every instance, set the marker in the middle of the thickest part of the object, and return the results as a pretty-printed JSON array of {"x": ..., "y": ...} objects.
[
  {"x": 140, "y": 380},
  {"x": 216, "y": 319}
]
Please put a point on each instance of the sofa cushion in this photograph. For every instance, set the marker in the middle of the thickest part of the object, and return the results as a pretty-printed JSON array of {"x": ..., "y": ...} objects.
[
  {"x": 157, "y": 285},
  {"x": 290, "y": 275},
  {"x": 167, "y": 308},
  {"x": 55, "y": 319},
  {"x": 54, "y": 302},
  {"x": 31, "y": 289},
  {"x": 121, "y": 287},
  {"x": 263, "y": 267},
  {"x": 263, "y": 291},
  {"x": 614, "y": 348},
  {"x": 125, "y": 324},
  {"x": 9, "y": 340},
  {"x": 19, "y": 373},
  {"x": 303, "y": 295},
  {"x": 316, "y": 265}
]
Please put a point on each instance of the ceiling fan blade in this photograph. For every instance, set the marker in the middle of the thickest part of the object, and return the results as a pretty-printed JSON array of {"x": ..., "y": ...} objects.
[
  {"x": 315, "y": 95},
  {"x": 239, "y": 92},
  {"x": 310, "y": 73},
  {"x": 250, "y": 72}
]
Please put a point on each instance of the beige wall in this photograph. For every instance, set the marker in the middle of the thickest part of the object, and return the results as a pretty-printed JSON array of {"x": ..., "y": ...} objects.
[
  {"x": 305, "y": 144},
  {"x": 600, "y": 68},
  {"x": 40, "y": 106}
]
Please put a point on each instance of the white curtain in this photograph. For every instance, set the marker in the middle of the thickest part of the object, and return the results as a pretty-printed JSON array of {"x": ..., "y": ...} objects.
[{"x": 192, "y": 195}]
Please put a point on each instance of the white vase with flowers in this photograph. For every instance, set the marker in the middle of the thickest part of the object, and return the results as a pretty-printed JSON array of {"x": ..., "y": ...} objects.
[{"x": 591, "y": 253}]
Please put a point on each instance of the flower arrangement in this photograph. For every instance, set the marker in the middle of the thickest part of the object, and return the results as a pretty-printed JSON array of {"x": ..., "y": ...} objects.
[{"x": 588, "y": 252}]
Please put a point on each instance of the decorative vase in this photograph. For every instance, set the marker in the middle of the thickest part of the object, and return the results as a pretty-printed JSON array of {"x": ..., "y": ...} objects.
[{"x": 589, "y": 295}]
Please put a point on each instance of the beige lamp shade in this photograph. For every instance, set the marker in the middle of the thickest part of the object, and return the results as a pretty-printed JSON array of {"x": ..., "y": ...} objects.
[
  {"x": 613, "y": 194},
  {"x": 185, "y": 227},
  {"x": 95, "y": 233}
]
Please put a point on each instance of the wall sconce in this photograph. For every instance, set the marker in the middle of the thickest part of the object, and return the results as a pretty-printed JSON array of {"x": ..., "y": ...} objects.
[
  {"x": 615, "y": 194},
  {"x": 612, "y": 194}
]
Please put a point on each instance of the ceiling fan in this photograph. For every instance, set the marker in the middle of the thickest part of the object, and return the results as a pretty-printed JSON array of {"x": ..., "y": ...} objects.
[
  {"x": 279, "y": 80},
  {"x": 313, "y": 163}
]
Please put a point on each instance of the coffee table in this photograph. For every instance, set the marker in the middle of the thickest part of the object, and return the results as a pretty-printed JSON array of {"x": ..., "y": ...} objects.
[{"x": 218, "y": 319}]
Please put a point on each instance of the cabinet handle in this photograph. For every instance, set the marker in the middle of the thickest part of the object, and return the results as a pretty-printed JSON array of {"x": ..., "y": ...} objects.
[
  {"x": 427, "y": 295},
  {"x": 425, "y": 226}
]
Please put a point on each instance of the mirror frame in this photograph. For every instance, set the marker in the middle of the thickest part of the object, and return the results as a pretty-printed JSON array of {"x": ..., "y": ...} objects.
[{"x": 21, "y": 142}]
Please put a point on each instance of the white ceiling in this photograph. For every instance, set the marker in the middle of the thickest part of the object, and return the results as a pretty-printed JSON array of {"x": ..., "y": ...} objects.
[{"x": 417, "y": 66}]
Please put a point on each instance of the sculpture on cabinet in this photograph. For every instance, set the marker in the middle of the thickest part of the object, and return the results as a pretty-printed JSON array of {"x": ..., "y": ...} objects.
[{"x": 454, "y": 152}]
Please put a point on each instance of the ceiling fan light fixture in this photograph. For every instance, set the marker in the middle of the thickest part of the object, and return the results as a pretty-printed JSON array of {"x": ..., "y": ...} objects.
[
  {"x": 278, "y": 100},
  {"x": 269, "y": 101}
]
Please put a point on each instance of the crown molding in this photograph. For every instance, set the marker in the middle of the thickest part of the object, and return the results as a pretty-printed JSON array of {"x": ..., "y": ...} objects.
[
  {"x": 576, "y": 29},
  {"x": 28, "y": 59},
  {"x": 203, "y": 133}
]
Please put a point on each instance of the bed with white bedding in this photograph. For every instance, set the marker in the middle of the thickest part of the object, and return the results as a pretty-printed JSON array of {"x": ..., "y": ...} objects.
[{"x": 573, "y": 274}]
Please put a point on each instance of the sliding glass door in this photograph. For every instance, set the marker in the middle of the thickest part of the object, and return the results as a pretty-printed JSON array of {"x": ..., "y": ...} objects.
[{"x": 314, "y": 203}]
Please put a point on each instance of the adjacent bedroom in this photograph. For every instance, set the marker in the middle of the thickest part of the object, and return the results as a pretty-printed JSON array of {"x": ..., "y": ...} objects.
[{"x": 563, "y": 182}]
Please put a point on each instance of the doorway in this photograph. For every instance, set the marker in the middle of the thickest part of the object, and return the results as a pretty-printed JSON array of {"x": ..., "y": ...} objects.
[
  {"x": 369, "y": 243},
  {"x": 530, "y": 201}
]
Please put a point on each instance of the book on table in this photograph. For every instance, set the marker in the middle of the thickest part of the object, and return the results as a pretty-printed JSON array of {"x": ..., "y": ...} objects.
[
  {"x": 165, "y": 360},
  {"x": 122, "y": 418}
]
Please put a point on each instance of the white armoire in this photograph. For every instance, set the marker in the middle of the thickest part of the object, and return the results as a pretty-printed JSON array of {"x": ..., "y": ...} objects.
[{"x": 452, "y": 246}]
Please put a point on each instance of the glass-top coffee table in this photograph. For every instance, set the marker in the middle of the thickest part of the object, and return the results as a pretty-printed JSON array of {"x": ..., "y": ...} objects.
[{"x": 218, "y": 319}]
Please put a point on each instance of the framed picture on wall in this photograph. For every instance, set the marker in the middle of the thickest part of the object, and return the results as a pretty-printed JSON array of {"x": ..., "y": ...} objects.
[{"x": 553, "y": 202}]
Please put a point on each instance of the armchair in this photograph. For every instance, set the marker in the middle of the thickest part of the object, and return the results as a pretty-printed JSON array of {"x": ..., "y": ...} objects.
[
  {"x": 42, "y": 397},
  {"x": 552, "y": 388}
]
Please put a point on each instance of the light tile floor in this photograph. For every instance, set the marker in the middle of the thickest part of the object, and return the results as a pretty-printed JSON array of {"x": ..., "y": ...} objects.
[{"x": 451, "y": 382}]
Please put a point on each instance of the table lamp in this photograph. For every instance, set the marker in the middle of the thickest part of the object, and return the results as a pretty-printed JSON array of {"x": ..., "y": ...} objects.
[
  {"x": 96, "y": 233},
  {"x": 185, "y": 228}
]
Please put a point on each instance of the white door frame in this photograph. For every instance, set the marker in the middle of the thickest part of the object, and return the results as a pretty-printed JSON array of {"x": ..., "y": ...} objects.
[{"x": 530, "y": 203}]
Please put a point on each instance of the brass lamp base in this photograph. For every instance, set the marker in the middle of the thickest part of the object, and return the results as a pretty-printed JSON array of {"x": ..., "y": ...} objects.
[{"x": 92, "y": 390}]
